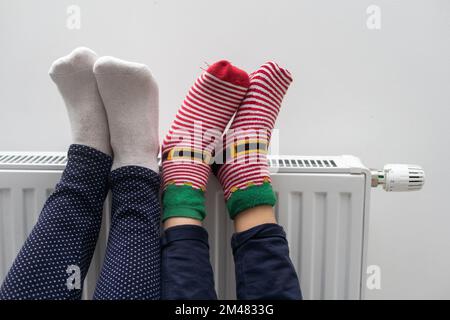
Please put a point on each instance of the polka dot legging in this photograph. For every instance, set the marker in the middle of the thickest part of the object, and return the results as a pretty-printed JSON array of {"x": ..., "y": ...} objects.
[{"x": 55, "y": 258}]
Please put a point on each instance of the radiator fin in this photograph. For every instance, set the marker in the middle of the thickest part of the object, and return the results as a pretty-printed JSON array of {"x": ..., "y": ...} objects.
[
  {"x": 301, "y": 163},
  {"x": 29, "y": 159}
]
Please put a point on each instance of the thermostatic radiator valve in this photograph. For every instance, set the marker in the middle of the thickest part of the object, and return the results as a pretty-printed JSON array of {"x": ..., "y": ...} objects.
[{"x": 399, "y": 177}]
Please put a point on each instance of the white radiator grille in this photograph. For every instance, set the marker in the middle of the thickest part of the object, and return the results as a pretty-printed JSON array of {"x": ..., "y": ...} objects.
[
  {"x": 322, "y": 204},
  {"x": 303, "y": 163}
]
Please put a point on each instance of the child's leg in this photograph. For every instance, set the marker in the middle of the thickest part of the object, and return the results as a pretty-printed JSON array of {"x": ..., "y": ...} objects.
[
  {"x": 55, "y": 258},
  {"x": 131, "y": 268},
  {"x": 263, "y": 267},
  {"x": 261, "y": 255},
  {"x": 201, "y": 120},
  {"x": 186, "y": 269}
]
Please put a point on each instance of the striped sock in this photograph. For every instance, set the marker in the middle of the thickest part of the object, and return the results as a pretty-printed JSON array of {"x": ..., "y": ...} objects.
[
  {"x": 244, "y": 173},
  {"x": 197, "y": 128}
]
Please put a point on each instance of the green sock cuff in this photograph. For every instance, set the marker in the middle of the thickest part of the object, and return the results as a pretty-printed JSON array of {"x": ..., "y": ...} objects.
[
  {"x": 253, "y": 196},
  {"x": 183, "y": 201}
]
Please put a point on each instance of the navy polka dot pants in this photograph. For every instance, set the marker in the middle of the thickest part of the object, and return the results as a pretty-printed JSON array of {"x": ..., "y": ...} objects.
[
  {"x": 55, "y": 258},
  {"x": 131, "y": 269}
]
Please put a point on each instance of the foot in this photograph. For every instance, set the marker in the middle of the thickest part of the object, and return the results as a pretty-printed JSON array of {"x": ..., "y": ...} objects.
[
  {"x": 244, "y": 174},
  {"x": 199, "y": 123},
  {"x": 130, "y": 95},
  {"x": 75, "y": 80}
]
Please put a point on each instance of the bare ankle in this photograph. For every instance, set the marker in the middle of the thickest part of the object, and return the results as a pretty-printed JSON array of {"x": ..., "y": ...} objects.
[
  {"x": 179, "y": 221},
  {"x": 254, "y": 217}
]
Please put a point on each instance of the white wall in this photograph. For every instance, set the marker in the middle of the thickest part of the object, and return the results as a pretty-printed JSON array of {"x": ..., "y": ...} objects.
[{"x": 382, "y": 95}]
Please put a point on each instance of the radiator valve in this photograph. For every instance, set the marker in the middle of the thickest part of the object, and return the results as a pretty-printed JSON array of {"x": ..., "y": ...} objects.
[{"x": 399, "y": 177}]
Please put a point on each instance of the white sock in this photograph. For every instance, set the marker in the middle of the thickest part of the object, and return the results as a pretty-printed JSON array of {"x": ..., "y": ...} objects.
[
  {"x": 76, "y": 82},
  {"x": 130, "y": 95}
]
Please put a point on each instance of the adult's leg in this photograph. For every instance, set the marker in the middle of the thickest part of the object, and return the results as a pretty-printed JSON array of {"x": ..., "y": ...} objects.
[
  {"x": 203, "y": 116},
  {"x": 131, "y": 269},
  {"x": 263, "y": 267},
  {"x": 55, "y": 258}
]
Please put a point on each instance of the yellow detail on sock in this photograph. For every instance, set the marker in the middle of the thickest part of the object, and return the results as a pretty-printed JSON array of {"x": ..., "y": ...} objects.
[{"x": 186, "y": 153}]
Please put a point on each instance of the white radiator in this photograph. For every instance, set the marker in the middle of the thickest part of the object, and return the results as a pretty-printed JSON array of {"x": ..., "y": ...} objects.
[{"x": 323, "y": 204}]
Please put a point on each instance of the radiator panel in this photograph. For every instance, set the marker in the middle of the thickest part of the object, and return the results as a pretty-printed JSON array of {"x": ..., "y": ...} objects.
[
  {"x": 323, "y": 221},
  {"x": 323, "y": 211}
]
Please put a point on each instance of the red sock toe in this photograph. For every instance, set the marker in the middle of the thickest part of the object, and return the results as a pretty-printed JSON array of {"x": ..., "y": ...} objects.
[{"x": 227, "y": 72}]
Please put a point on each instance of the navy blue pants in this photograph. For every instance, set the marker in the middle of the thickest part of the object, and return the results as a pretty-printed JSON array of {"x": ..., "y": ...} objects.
[
  {"x": 262, "y": 264},
  {"x": 55, "y": 258}
]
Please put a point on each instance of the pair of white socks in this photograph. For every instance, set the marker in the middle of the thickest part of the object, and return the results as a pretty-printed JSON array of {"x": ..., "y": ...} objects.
[{"x": 112, "y": 106}]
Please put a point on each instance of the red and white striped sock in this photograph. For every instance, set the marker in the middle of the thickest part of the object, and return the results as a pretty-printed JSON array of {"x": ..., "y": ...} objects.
[
  {"x": 245, "y": 154},
  {"x": 198, "y": 126}
]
